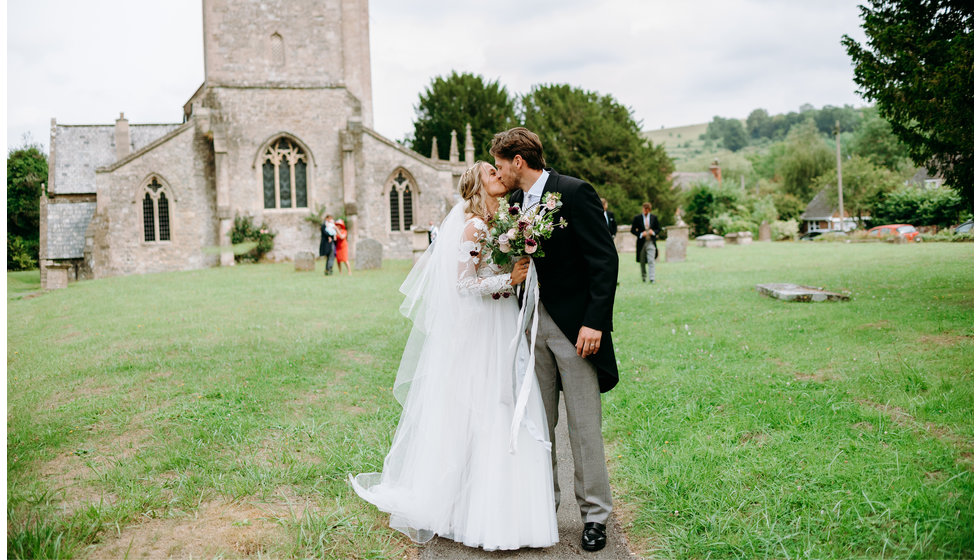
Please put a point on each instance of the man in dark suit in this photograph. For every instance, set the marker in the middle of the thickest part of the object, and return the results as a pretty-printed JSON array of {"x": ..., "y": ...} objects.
[
  {"x": 646, "y": 227},
  {"x": 573, "y": 352},
  {"x": 610, "y": 219}
]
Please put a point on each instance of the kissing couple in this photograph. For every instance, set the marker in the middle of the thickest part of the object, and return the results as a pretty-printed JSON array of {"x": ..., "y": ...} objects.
[{"x": 472, "y": 458}]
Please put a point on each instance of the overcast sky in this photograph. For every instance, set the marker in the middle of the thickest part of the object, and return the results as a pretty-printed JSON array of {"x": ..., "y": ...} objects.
[{"x": 673, "y": 62}]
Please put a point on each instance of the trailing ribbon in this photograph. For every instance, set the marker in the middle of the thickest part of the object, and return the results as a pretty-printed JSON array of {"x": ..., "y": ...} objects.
[{"x": 528, "y": 314}]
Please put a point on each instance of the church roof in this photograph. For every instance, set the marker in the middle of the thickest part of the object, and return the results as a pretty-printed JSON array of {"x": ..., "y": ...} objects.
[
  {"x": 79, "y": 150},
  {"x": 66, "y": 229}
]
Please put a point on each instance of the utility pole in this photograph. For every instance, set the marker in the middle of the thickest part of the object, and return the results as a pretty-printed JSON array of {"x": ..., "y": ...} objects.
[{"x": 840, "y": 180}]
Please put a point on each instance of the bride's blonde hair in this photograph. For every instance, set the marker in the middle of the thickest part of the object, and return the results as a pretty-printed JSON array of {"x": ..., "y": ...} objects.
[{"x": 471, "y": 189}]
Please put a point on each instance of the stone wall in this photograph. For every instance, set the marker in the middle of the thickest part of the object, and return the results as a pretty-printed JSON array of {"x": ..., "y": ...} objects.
[
  {"x": 244, "y": 121},
  {"x": 378, "y": 159},
  {"x": 183, "y": 163}
]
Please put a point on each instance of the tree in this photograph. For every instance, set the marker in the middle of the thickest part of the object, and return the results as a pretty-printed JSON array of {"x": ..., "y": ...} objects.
[
  {"x": 27, "y": 170},
  {"x": 593, "y": 137},
  {"x": 759, "y": 124},
  {"x": 875, "y": 141},
  {"x": 731, "y": 132},
  {"x": 807, "y": 156},
  {"x": 918, "y": 69},
  {"x": 451, "y": 103},
  {"x": 864, "y": 184}
]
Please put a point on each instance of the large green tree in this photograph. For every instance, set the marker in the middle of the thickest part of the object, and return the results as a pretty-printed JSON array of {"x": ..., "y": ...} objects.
[
  {"x": 27, "y": 171},
  {"x": 807, "y": 155},
  {"x": 875, "y": 140},
  {"x": 593, "y": 137},
  {"x": 918, "y": 68},
  {"x": 452, "y": 102},
  {"x": 731, "y": 132}
]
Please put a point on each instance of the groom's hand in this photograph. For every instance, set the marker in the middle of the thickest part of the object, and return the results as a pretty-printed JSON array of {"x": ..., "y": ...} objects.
[{"x": 588, "y": 342}]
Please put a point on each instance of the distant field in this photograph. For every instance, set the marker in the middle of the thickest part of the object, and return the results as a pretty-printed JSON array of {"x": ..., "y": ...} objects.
[{"x": 682, "y": 143}]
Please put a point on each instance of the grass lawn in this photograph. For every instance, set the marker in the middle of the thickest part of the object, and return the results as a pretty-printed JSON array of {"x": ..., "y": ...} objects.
[{"x": 218, "y": 412}]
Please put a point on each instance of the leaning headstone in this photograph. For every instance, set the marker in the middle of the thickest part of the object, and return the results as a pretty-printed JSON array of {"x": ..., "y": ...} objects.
[
  {"x": 710, "y": 240},
  {"x": 368, "y": 254},
  {"x": 677, "y": 243},
  {"x": 743, "y": 238},
  {"x": 765, "y": 231},
  {"x": 303, "y": 261}
]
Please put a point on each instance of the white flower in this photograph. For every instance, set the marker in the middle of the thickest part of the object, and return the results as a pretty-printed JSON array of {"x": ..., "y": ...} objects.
[
  {"x": 505, "y": 247},
  {"x": 503, "y": 239},
  {"x": 551, "y": 204},
  {"x": 511, "y": 234}
]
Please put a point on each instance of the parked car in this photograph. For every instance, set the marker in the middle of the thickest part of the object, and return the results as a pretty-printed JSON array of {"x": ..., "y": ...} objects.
[
  {"x": 965, "y": 227},
  {"x": 813, "y": 234},
  {"x": 893, "y": 230}
]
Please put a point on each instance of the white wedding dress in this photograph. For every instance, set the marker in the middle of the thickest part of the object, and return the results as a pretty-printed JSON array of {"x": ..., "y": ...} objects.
[{"x": 455, "y": 468}]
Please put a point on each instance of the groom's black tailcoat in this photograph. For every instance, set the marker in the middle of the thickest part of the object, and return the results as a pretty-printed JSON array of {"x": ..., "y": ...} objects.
[{"x": 579, "y": 269}]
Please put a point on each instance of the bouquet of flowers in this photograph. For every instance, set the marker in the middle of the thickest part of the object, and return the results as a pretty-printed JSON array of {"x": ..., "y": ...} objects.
[{"x": 515, "y": 234}]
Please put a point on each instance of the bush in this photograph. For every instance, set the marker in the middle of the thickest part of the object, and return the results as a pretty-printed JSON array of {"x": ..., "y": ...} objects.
[
  {"x": 251, "y": 242},
  {"x": 947, "y": 235},
  {"x": 919, "y": 207},
  {"x": 728, "y": 223},
  {"x": 784, "y": 229},
  {"x": 21, "y": 253}
]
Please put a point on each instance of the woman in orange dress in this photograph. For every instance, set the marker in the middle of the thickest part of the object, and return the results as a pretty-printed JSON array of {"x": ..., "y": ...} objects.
[{"x": 342, "y": 247}]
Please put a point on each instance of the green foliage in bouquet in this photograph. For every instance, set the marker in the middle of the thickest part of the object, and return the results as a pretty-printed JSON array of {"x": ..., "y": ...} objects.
[{"x": 515, "y": 233}]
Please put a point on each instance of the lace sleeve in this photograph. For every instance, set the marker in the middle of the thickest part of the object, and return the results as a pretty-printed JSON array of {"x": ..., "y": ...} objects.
[{"x": 471, "y": 248}]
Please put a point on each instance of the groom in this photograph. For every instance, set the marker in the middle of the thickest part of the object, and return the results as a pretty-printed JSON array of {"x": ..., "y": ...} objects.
[{"x": 573, "y": 353}]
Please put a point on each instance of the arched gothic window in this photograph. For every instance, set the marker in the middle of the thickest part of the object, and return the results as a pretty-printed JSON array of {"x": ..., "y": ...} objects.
[
  {"x": 284, "y": 175},
  {"x": 401, "y": 201},
  {"x": 276, "y": 49},
  {"x": 156, "y": 212}
]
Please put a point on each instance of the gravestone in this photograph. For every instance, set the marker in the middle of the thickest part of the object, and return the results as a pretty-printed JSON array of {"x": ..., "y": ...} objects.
[
  {"x": 731, "y": 238},
  {"x": 743, "y": 238},
  {"x": 710, "y": 240},
  {"x": 796, "y": 292},
  {"x": 420, "y": 242},
  {"x": 303, "y": 261},
  {"x": 368, "y": 254},
  {"x": 765, "y": 231},
  {"x": 677, "y": 243}
]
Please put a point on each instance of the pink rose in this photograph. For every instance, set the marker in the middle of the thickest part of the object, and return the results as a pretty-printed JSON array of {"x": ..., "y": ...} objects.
[
  {"x": 551, "y": 204},
  {"x": 505, "y": 247},
  {"x": 511, "y": 234}
]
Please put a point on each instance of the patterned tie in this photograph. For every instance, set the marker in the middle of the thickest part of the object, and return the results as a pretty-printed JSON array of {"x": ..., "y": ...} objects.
[{"x": 530, "y": 200}]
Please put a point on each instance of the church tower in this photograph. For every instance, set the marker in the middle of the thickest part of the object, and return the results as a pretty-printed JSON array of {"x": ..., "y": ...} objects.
[{"x": 289, "y": 44}]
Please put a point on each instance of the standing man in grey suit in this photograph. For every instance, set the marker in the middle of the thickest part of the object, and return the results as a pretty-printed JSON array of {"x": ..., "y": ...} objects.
[
  {"x": 646, "y": 228},
  {"x": 573, "y": 352}
]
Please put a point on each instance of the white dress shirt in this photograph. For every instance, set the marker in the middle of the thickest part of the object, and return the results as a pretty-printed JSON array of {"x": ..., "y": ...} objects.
[{"x": 533, "y": 195}]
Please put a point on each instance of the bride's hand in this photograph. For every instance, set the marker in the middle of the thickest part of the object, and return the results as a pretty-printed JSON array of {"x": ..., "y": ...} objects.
[{"x": 520, "y": 271}]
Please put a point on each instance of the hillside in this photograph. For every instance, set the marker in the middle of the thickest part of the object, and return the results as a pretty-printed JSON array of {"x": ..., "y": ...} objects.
[{"x": 681, "y": 142}]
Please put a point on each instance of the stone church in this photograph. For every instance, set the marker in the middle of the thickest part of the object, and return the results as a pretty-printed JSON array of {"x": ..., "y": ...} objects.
[{"x": 281, "y": 126}]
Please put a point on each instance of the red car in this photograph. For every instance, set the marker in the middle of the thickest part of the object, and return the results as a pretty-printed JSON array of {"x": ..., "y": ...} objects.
[{"x": 892, "y": 230}]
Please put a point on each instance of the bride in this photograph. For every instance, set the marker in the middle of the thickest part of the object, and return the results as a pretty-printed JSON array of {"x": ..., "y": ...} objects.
[{"x": 458, "y": 467}]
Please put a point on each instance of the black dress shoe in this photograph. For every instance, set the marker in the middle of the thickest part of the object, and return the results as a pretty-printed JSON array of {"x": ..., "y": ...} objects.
[{"x": 594, "y": 537}]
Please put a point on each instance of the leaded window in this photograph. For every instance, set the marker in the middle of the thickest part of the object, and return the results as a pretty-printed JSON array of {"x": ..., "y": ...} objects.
[
  {"x": 401, "y": 202},
  {"x": 284, "y": 175},
  {"x": 156, "y": 212}
]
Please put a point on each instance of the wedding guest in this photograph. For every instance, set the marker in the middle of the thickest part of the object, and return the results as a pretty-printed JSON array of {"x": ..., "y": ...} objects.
[
  {"x": 646, "y": 227},
  {"x": 610, "y": 218},
  {"x": 328, "y": 237},
  {"x": 433, "y": 231},
  {"x": 342, "y": 247}
]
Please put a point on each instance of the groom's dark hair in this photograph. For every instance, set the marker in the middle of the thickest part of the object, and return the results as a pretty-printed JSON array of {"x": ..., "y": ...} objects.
[{"x": 519, "y": 141}]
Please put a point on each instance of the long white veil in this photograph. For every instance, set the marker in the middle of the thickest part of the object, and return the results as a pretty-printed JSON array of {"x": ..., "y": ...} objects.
[{"x": 431, "y": 302}]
